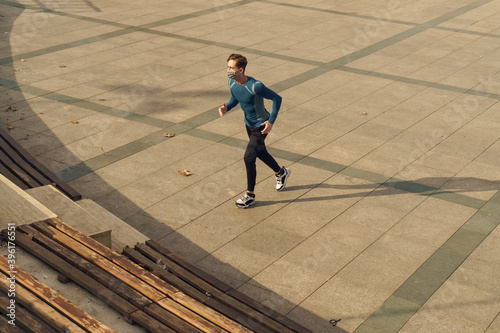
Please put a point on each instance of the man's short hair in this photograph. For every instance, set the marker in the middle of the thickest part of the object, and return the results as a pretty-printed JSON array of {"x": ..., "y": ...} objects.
[{"x": 241, "y": 61}]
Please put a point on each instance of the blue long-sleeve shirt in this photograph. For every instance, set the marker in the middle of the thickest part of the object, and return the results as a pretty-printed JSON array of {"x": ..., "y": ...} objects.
[{"x": 251, "y": 96}]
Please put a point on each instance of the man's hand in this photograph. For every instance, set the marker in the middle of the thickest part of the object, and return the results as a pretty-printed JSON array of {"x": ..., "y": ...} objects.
[
  {"x": 267, "y": 127},
  {"x": 222, "y": 109}
]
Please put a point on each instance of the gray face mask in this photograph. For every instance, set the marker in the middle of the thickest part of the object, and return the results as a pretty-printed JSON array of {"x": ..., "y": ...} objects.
[{"x": 231, "y": 74}]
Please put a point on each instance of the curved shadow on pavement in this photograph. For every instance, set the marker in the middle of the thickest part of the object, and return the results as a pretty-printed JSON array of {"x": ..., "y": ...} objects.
[{"x": 31, "y": 132}]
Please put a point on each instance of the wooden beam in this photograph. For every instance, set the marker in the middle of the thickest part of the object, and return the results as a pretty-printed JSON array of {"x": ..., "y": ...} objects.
[
  {"x": 209, "y": 313},
  {"x": 38, "y": 167},
  {"x": 67, "y": 233},
  {"x": 223, "y": 316},
  {"x": 150, "y": 323},
  {"x": 113, "y": 256},
  {"x": 266, "y": 311},
  {"x": 5, "y": 327},
  {"x": 266, "y": 323},
  {"x": 88, "y": 268},
  {"x": 40, "y": 308},
  {"x": 199, "y": 295},
  {"x": 169, "y": 319},
  {"x": 187, "y": 265},
  {"x": 52, "y": 297},
  {"x": 165, "y": 275},
  {"x": 18, "y": 160},
  {"x": 108, "y": 266},
  {"x": 26, "y": 237},
  {"x": 192, "y": 304},
  {"x": 90, "y": 283},
  {"x": 10, "y": 175},
  {"x": 24, "y": 319},
  {"x": 189, "y": 316}
]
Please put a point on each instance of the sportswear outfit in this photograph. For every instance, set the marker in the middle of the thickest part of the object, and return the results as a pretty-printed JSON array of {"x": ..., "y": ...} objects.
[{"x": 251, "y": 96}]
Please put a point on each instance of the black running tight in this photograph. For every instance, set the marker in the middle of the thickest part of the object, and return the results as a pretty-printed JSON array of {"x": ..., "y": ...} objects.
[{"x": 257, "y": 149}]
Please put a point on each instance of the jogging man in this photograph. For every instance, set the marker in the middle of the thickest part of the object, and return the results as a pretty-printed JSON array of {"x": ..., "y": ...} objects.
[{"x": 250, "y": 94}]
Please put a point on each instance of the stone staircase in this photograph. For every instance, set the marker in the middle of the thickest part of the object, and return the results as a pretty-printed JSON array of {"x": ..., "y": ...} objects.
[
  {"x": 40, "y": 203},
  {"x": 19, "y": 207}
]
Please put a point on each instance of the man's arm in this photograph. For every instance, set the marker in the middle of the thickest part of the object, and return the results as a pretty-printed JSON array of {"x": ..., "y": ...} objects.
[
  {"x": 267, "y": 93},
  {"x": 231, "y": 104}
]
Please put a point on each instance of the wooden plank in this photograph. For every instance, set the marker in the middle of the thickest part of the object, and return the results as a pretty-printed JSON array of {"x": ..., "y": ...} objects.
[
  {"x": 214, "y": 316},
  {"x": 23, "y": 164},
  {"x": 40, "y": 308},
  {"x": 169, "y": 319},
  {"x": 151, "y": 324},
  {"x": 189, "y": 316},
  {"x": 113, "y": 256},
  {"x": 177, "y": 270},
  {"x": 137, "y": 271},
  {"x": 160, "y": 248},
  {"x": 165, "y": 275},
  {"x": 250, "y": 312},
  {"x": 8, "y": 174},
  {"x": 5, "y": 327},
  {"x": 53, "y": 298},
  {"x": 199, "y": 295},
  {"x": 81, "y": 264},
  {"x": 182, "y": 262},
  {"x": 41, "y": 169},
  {"x": 15, "y": 174},
  {"x": 293, "y": 325},
  {"x": 116, "y": 271},
  {"x": 131, "y": 312},
  {"x": 92, "y": 283},
  {"x": 62, "y": 186},
  {"x": 25, "y": 319}
]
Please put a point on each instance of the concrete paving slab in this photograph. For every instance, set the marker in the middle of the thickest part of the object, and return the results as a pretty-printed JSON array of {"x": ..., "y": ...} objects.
[
  {"x": 494, "y": 326},
  {"x": 338, "y": 294},
  {"x": 428, "y": 318},
  {"x": 285, "y": 275}
]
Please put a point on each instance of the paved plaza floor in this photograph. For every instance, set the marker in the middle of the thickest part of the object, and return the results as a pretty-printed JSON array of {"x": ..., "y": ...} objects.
[{"x": 390, "y": 125}]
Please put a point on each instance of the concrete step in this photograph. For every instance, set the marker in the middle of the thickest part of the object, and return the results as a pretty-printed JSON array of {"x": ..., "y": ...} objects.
[
  {"x": 41, "y": 203},
  {"x": 17, "y": 207},
  {"x": 122, "y": 234},
  {"x": 67, "y": 210},
  {"x": 89, "y": 218}
]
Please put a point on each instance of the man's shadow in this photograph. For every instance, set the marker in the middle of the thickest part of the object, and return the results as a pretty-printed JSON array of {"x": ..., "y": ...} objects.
[{"x": 450, "y": 185}]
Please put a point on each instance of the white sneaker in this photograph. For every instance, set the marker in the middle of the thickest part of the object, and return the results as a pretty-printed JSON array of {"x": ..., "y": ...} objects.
[
  {"x": 281, "y": 180},
  {"x": 245, "y": 201}
]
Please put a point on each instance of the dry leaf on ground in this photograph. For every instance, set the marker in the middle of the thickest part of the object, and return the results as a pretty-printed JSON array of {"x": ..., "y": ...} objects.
[
  {"x": 185, "y": 172},
  {"x": 169, "y": 135}
]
